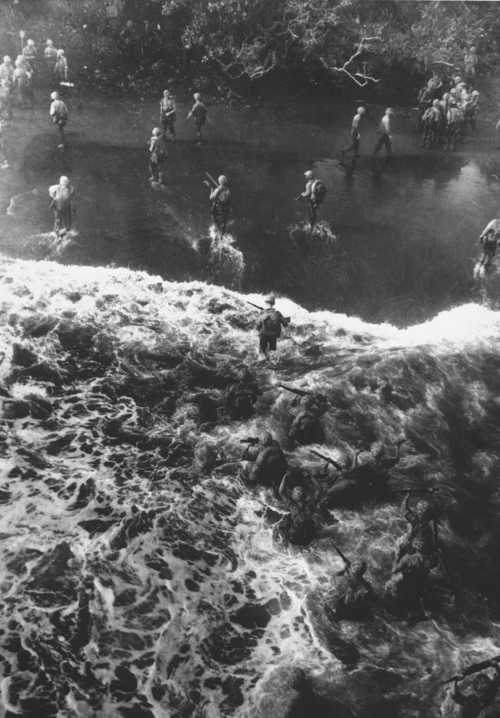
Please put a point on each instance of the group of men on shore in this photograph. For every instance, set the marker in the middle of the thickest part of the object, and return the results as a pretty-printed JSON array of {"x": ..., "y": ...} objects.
[
  {"x": 446, "y": 109},
  {"x": 18, "y": 78}
]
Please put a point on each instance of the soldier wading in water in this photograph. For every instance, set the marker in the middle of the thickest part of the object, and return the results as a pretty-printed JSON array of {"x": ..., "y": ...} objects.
[
  {"x": 269, "y": 327},
  {"x": 220, "y": 202}
]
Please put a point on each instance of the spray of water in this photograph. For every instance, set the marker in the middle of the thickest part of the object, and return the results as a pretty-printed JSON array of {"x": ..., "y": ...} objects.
[{"x": 140, "y": 575}]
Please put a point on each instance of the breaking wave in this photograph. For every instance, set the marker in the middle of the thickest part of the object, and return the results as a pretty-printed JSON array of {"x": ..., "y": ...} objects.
[{"x": 139, "y": 573}]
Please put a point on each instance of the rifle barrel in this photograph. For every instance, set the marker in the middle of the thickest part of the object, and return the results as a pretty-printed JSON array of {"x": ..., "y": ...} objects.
[
  {"x": 342, "y": 556},
  {"x": 293, "y": 390},
  {"x": 327, "y": 458},
  {"x": 211, "y": 178},
  {"x": 475, "y": 668}
]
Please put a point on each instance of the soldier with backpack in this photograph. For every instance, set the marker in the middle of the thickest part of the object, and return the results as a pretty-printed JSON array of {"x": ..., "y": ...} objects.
[
  {"x": 269, "y": 326},
  {"x": 199, "y": 113},
  {"x": 157, "y": 156},
  {"x": 168, "y": 111},
  {"x": 62, "y": 202},
  {"x": 314, "y": 193},
  {"x": 220, "y": 202},
  {"x": 488, "y": 240},
  {"x": 58, "y": 114}
]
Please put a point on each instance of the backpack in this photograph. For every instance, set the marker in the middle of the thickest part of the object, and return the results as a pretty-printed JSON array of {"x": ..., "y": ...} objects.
[
  {"x": 318, "y": 192},
  {"x": 223, "y": 198},
  {"x": 271, "y": 324},
  {"x": 200, "y": 113}
]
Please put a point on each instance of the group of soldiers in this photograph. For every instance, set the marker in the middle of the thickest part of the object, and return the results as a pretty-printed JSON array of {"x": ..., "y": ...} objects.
[
  {"x": 306, "y": 497},
  {"x": 18, "y": 78},
  {"x": 446, "y": 110},
  {"x": 17, "y": 84}
]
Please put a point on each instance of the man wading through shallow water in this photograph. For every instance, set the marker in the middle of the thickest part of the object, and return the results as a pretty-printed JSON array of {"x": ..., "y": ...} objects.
[
  {"x": 355, "y": 136},
  {"x": 314, "y": 193},
  {"x": 269, "y": 327},
  {"x": 385, "y": 133},
  {"x": 220, "y": 202},
  {"x": 488, "y": 240},
  {"x": 157, "y": 156},
  {"x": 61, "y": 196},
  {"x": 58, "y": 114},
  {"x": 199, "y": 112},
  {"x": 168, "y": 111}
]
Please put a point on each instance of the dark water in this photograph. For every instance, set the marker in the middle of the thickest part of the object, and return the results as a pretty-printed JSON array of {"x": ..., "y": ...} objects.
[{"x": 406, "y": 233}]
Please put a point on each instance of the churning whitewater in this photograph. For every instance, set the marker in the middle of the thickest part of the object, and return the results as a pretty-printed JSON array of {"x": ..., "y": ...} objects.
[{"x": 140, "y": 576}]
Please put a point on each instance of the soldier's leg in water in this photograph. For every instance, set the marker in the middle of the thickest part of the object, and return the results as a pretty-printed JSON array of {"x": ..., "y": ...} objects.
[
  {"x": 62, "y": 136},
  {"x": 223, "y": 223},
  {"x": 350, "y": 147},
  {"x": 64, "y": 220},
  {"x": 378, "y": 145},
  {"x": 153, "y": 171},
  {"x": 313, "y": 214},
  {"x": 57, "y": 221}
]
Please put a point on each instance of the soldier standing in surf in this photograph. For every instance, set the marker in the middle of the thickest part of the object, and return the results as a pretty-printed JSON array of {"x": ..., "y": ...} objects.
[
  {"x": 62, "y": 202},
  {"x": 488, "y": 239},
  {"x": 157, "y": 156},
  {"x": 220, "y": 202},
  {"x": 199, "y": 112},
  {"x": 168, "y": 111},
  {"x": 58, "y": 114},
  {"x": 314, "y": 193},
  {"x": 269, "y": 327}
]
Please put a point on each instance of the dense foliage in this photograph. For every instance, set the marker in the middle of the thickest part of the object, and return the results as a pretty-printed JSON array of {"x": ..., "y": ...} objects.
[{"x": 250, "y": 39}]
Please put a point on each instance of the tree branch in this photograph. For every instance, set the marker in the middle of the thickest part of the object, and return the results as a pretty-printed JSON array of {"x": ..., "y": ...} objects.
[{"x": 365, "y": 78}]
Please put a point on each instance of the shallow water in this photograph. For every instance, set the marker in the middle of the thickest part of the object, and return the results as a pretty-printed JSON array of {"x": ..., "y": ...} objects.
[{"x": 407, "y": 233}]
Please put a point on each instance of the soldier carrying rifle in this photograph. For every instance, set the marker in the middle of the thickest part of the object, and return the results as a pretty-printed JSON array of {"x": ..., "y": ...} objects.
[
  {"x": 220, "y": 201},
  {"x": 306, "y": 427},
  {"x": 269, "y": 325}
]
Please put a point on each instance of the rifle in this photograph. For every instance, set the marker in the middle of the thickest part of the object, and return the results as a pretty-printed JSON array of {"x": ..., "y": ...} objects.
[
  {"x": 212, "y": 180},
  {"x": 475, "y": 668},
  {"x": 298, "y": 392},
  {"x": 343, "y": 557},
  {"x": 334, "y": 463},
  {"x": 250, "y": 440},
  {"x": 256, "y": 306}
]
